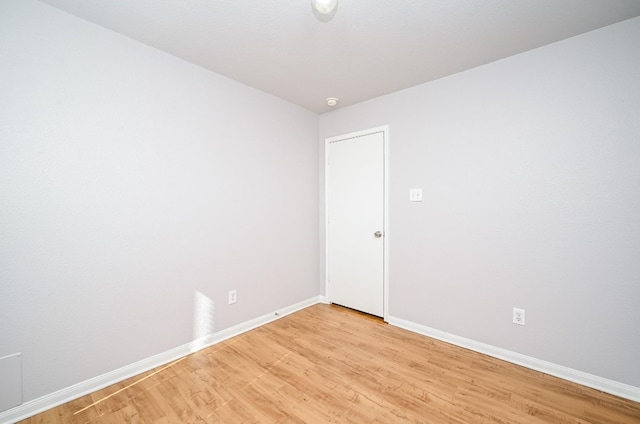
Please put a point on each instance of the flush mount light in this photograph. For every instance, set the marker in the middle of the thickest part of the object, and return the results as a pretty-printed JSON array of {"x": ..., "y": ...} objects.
[
  {"x": 332, "y": 101},
  {"x": 324, "y": 10}
]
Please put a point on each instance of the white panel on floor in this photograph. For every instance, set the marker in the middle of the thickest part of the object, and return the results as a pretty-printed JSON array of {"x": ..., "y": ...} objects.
[{"x": 10, "y": 381}]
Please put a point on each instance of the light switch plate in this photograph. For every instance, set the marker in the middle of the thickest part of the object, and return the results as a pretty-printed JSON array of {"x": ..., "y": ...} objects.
[{"x": 415, "y": 195}]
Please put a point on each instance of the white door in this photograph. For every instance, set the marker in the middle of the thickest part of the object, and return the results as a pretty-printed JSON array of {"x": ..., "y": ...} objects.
[{"x": 355, "y": 194}]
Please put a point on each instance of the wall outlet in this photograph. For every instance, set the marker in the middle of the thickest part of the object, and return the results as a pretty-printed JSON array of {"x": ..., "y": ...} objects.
[
  {"x": 233, "y": 297},
  {"x": 518, "y": 316}
]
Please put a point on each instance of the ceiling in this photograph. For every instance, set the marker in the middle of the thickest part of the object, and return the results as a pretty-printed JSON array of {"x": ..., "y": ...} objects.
[{"x": 370, "y": 48}]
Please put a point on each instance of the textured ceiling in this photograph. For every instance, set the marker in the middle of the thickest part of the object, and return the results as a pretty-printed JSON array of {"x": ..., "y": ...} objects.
[{"x": 370, "y": 48}]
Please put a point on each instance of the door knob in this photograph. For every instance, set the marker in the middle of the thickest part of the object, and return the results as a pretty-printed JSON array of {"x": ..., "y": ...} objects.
[{"x": 377, "y": 234}]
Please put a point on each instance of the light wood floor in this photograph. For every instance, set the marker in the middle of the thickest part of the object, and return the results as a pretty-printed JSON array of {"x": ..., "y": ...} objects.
[{"x": 328, "y": 364}]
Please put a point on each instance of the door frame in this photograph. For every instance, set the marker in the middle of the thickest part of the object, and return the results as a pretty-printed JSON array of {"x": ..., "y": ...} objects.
[{"x": 384, "y": 129}]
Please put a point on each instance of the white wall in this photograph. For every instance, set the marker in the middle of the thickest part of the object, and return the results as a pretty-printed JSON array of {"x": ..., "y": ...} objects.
[
  {"x": 129, "y": 180},
  {"x": 530, "y": 168}
]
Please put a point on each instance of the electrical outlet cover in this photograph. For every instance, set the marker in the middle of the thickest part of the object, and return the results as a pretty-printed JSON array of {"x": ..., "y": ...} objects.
[
  {"x": 518, "y": 316},
  {"x": 233, "y": 297}
]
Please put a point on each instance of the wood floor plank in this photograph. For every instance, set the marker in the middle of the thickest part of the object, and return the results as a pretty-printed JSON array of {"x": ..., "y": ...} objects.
[{"x": 328, "y": 364}]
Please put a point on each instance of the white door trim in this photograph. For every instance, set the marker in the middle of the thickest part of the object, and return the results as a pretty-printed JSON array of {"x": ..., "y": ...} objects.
[{"x": 385, "y": 131}]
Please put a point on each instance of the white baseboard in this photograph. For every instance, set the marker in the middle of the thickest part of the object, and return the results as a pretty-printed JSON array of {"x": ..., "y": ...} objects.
[
  {"x": 603, "y": 384},
  {"x": 68, "y": 394}
]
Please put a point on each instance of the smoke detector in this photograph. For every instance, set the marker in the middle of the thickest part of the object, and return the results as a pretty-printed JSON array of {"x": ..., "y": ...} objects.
[{"x": 332, "y": 101}]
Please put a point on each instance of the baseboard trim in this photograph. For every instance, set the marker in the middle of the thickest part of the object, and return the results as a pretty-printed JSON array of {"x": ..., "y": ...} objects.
[
  {"x": 70, "y": 393},
  {"x": 599, "y": 383},
  {"x": 236, "y": 330}
]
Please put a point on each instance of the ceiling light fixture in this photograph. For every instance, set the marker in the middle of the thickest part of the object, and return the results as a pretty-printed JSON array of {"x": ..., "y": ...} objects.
[
  {"x": 324, "y": 10},
  {"x": 332, "y": 101}
]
